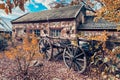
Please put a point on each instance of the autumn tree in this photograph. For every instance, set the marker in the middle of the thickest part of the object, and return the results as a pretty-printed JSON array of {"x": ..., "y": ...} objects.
[
  {"x": 56, "y": 4},
  {"x": 63, "y": 3},
  {"x": 110, "y": 10},
  {"x": 8, "y": 5},
  {"x": 25, "y": 57}
]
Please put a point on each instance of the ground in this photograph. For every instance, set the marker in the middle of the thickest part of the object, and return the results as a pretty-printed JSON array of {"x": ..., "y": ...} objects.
[
  {"x": 58, "y": 71},
  {"x": 50, "y": 70}
]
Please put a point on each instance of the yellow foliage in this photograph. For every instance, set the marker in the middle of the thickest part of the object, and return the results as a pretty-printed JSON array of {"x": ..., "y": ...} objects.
[
  {"x": 110, "y": 11},
  {"x": 74, "y": 42},
  {"x": 28, "y": 50},
  {"x": 116, "y": 50},
  {"x": 6, "y": 35},
  {"x": 118, "y": 27},
  {"x": 34, "y": 40},
  {"x": 1, "y": 55},
  {"x": 102, "y": 37},
  {"x": 26, "y": 44},
  {"x": 2, "y": 6}
]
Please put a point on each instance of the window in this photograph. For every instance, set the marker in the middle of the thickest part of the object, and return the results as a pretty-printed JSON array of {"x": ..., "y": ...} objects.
[
  {"x": 55, "y": 33},
  {"x": 36, "y": 32},
  {"x": 31, "y": 31}
]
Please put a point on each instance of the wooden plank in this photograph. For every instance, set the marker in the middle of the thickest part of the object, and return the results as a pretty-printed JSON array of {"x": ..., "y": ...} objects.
[{"x": 79, "y": 39}]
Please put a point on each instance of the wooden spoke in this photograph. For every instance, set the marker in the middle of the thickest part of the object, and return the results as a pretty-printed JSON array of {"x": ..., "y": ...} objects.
[
  {"x": 46, "y": 48},
  {"x": 68, "y": 62},
  {"x": 66, "y": 56},
  {"x": 81, "y": 65},
  {"x": 70, "y": 51},
  {"x": 74, "y": 57},
  {"x": 74, "y": 50},
  {"x": 71, "y": 64},
  {"x": 76, "y": 67},
  {"x": 80, "y": 59},
  {"x": 79, "y": 55},
  {"x": 70, "y": 55}
]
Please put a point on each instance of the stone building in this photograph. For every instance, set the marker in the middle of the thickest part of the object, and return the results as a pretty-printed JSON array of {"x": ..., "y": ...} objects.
[{"x": 62, "y": 22}]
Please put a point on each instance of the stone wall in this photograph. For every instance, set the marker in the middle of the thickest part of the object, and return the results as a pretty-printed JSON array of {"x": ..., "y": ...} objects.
[
  {"x": 19, "y": 30},
  {"x": 113, "y": 34}
]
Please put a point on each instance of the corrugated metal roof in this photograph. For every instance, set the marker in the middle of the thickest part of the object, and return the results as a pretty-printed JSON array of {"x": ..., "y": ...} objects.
[
  {"x": 60, "y": 13},
  {"x": 5, "y": 25}
]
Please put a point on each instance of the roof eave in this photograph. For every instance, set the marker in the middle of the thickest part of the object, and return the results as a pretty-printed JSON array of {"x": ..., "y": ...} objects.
[
  {"x": 19, "y": 17},
  {"x": 77, "y": 13},
  {"x": 97, "y": 29},
  {"x": 41, "y": 21}
]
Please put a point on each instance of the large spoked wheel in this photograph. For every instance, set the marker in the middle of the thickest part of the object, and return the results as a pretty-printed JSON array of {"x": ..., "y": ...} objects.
[
  {"x": 74, "y": 57},
  {"x": 45, "y": 47}
]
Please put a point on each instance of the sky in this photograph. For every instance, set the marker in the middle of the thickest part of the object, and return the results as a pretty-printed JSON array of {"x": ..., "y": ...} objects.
[{"x": 30, "y": 6}]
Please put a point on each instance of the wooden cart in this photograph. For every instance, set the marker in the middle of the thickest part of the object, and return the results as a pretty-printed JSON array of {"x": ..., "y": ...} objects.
[{"x": 76, "y": 57}]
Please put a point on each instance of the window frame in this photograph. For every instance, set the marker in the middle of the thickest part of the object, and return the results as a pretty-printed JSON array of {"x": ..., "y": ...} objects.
[
  {"x": 55, "y": 32},
  {"x": 36, "y": 31}
]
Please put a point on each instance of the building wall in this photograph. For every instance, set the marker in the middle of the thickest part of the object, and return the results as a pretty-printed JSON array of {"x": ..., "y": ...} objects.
[
  {"x": 19, "y": 30},
  {"x": 80, "y": 20},
  {"x": 113, "y": 34}
]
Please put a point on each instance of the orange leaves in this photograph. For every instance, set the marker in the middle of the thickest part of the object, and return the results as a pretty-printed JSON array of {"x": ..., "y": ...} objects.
[
  {"x": 2, "y": 6},
  {"x": 1, "y": 55},
  {"x": 11, "y": 54},
  {"x": 21, "y": 5},
  {"x": 110, "y": 11},
  {"x": 28, "y": 50},
  {"x": 103, "y": 37},
  {"x": 30, "y": 44},
  {"x": 118, "y": 27},
  {"x": 9, "y": 5},
  {"x": 34, "y": 40},
  {"x": 116, "y": 50},
  {"x": 7, "y": 10},
  {"x": 118, "y": 13},
  {"x": 26, "y": 44}
]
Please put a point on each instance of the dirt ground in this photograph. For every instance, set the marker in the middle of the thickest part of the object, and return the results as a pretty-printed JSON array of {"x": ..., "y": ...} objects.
[
  {"x": 50, "y": 70},
  {"x": 56, "y": 70}
]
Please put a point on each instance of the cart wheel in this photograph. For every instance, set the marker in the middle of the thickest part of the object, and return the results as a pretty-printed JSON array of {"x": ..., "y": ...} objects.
[
  {"x": 45, "y": 47},
  {"x": 74, "y": 57}
]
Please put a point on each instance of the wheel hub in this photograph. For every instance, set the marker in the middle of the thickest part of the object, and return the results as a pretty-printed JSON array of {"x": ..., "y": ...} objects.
[
  {"x": 73, "y": 59},
  {"x": 43, "y": 49}
]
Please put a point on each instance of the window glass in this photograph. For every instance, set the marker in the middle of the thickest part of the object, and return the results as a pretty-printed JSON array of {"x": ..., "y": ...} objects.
[
  {"x": 36, "y": 32},
  {"x": 55, "y": 33}
]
